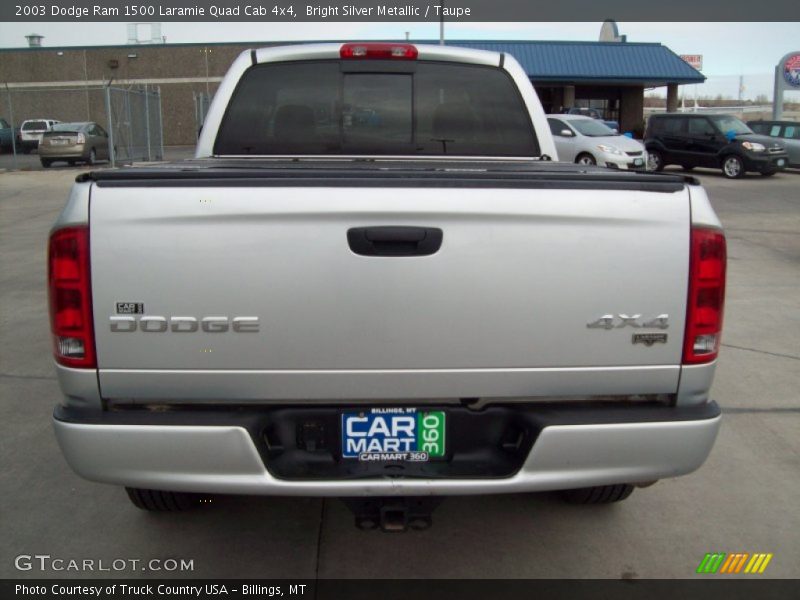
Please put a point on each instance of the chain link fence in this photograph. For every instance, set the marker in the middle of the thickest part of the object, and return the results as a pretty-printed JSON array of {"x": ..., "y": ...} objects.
[
  {"x": 132, "y": 116},
  {"x": 134, "y": 125}
]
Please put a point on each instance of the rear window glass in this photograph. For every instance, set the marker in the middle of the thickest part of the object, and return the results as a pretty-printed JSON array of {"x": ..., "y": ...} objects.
[
  {"x": 315, "y": 108},
  {"x": 68, "y": 126},
  {"x": 29, "y": 125}
]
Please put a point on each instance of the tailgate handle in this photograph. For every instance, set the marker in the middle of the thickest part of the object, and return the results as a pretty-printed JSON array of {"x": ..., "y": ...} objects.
[{"x": 394, "y": 241}]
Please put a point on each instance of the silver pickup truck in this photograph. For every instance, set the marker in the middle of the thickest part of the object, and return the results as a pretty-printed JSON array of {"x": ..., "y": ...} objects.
[{"x": 375, "y": 281}]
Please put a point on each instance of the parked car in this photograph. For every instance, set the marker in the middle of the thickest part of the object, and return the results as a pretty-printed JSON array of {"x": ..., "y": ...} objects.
[
  {"x": 594, "y": 114},
  {"x": 587, "y": 141},
  {"x": 425, "y": 322},
  {"x": 8, "y": 136},
  {"x": 31, "y": 131},
  {"x": 787, "y": 131},
  {"x": 716, "y": 141},
  {"x": 74, "y": 142}
]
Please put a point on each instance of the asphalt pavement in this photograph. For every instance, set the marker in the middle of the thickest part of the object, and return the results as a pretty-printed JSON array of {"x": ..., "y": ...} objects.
[{"x": 744, "y": 499}]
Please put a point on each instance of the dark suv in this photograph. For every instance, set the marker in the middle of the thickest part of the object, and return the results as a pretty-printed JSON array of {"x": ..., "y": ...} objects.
[{"x": 717, "y": 141}]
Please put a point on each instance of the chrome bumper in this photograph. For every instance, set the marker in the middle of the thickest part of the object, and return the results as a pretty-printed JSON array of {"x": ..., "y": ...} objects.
[{"x": 224, "y": 459}]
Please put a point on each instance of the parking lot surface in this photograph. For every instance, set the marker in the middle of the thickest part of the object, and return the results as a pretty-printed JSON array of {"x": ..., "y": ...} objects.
[
  {"x": 31, "y": 162},
  {"x": 744, "y": 499}
]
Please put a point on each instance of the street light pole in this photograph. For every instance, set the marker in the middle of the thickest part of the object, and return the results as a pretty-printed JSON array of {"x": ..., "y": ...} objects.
[{"x": 441, "y": 24}]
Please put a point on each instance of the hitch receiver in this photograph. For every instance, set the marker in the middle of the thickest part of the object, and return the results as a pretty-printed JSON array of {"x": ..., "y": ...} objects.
[{"x": 393, "y": 514}]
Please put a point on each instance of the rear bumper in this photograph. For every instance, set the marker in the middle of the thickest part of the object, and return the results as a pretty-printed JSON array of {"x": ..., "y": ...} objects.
[
  {"x": 63, "y": 152},
  {"x": 206, "y": 451}
]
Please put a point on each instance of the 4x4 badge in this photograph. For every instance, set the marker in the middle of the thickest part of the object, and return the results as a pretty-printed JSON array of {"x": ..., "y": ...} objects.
[{"x": 623, "y": 320}]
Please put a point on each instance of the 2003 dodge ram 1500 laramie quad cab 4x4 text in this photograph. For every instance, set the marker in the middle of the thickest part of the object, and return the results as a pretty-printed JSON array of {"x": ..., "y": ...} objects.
[{"x": 373, "y": 281}]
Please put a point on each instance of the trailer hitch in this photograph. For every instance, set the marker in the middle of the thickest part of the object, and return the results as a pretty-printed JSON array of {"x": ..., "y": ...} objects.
[{"x": 393, "y": 514}]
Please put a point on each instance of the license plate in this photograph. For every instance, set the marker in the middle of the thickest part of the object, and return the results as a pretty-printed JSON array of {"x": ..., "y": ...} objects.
[
  {"x": 638, "y": 162},
  {"x": 781, "y": 162},
  {"x": 393, "y": 434},
  {"x": 59, "y": 142}
]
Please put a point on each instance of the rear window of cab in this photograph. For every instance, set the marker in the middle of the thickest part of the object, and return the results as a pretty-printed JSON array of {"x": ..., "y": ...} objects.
[{"x": 433, "y": 108}]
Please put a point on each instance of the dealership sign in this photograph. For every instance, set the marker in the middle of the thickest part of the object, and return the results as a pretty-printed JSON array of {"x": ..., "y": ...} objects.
[
  {"x": 791, "y": 70},
  {"x": 787, "y": 78},
  {"x": 693, "y": 60}
]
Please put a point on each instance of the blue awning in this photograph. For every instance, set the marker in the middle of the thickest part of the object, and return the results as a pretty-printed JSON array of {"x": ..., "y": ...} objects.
[{"x": 648, "y": 64}]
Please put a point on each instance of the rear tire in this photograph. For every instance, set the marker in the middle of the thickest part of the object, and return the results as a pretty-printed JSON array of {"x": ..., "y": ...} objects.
[
  {"x": 600, "y": 494},
  {"x": 92, "y": 157},
  {"x": 160, "y": 501},
  {"x": 655, "y": 161},
  {"x": 769, "y": 173},
  {"x": 687, "y": 167},
  {"x": 45, "y": 163}
]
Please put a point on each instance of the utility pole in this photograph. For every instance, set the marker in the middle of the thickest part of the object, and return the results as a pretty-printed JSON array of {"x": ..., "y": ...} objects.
[
  {"x": 205, "y": 51},
  {"x": 13, "y": 130},
  {"x": 441, "y": 25},
  {"x": 86, "y": 82}
]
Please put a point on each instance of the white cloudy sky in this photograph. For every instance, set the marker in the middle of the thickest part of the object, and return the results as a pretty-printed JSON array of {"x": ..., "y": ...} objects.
[{"x": 729, "y": 49}]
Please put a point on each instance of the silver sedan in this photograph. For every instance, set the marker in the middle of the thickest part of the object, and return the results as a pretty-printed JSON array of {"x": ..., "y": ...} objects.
[{"x": 587, "y": 141}]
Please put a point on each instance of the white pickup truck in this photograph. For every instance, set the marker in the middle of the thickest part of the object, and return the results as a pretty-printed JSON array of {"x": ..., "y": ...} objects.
[{"x": 373, "y": 281}]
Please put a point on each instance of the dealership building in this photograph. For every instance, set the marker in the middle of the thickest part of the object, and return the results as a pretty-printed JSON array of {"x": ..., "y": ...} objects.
[{"x": 54, "y": 82}]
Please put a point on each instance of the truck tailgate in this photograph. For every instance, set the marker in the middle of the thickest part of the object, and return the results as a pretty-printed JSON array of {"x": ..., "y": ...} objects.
[{"x": 501, "y": 309}]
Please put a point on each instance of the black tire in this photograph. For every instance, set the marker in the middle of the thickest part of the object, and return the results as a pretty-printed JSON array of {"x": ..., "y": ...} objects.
[
  {"x": 71, "y": 163},
  {"x": 601, "y": 494},
  {"x": 160, "y": 501},
  {"x": 655, "y": 160},
  {"x": 45, "y": 163},
  {"x": 585, "y": 159},
  {"x": 687, "y": 167},
  {"x": 92, "y": 160},
  {"x": 768, "y": 173},
  {"x": 732, "y": 167}
]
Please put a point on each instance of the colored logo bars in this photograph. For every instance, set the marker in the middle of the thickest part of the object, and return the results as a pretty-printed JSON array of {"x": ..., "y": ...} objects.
[{"x": 738, "y": 562}]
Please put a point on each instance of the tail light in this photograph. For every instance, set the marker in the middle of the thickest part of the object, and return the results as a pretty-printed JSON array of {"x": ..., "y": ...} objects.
[
  {"x": 706, "y": 296},
  {"x": 70, "y": 297},
  {"x": 81, "y": 138},
  {"x": 373, "y": 50}
]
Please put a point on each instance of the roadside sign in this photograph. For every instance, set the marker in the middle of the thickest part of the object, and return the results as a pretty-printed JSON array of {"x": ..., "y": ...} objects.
[
  {"x": 693, "y": 60},
  {"x": 787, "y": 78},
  {"x": 791, "y": 70}
]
